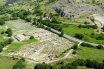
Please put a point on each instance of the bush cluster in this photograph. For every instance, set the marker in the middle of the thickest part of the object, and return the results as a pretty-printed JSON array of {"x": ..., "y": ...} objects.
[
  {"x": 89, "y": 45},
  {"x": 20, "y": 64},
  {"x": 3, "y": 44}
]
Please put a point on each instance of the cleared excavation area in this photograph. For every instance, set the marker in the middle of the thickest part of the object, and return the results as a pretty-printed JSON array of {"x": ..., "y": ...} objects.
[{"x": 48, "y": 47}]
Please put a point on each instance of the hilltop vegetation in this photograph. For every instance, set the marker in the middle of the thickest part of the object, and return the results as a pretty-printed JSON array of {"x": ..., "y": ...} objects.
[{"x": 25, "y": 32}]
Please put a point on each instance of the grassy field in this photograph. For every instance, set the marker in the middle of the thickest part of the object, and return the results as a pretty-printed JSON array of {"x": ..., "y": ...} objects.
[
  {"x": 73, "y": 29},
  {"x": 90, "y": 53},
  {"x": 6, "y": 63}
]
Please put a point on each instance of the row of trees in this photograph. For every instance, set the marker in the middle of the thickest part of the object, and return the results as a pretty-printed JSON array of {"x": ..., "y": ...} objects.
[
  {"x": 53, "y": 23},
  {"x": 87, "y": 26},
  {"x": 89, "y": 45},
  {"x": 79, "y": 62},
  {"x": 89, "y": 63}
]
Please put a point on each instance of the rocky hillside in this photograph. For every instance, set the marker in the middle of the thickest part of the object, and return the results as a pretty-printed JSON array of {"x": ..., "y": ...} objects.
[{"x": 76, "y": 8}]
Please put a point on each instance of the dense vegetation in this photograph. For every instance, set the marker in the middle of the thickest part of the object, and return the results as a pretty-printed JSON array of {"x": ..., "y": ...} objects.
[
  {"x": 20, "y": 64},
  {"x": 79, "y": 62},
  {"x": 6, "y": 42}
]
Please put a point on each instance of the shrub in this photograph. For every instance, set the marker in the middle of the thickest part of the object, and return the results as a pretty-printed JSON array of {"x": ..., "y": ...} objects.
[
  {"x": 28, "y": 19},
  {"x": 31, "y": 37},
  {"x": 62, "y": 33},
  {"x": 1, "y": 48},
  {"x": 79, "y": 36},
  {"x": 86, "y": 45},
  {"x": 9, "y": 41},
  {"x": 69, "y": 66},
  {"x": 100, "y": 37},
  {"x": 79, "y": 62},
  {"x": 88, "y": 26},
  {"x": 3, "y": 44},
  {"x": 2, "y": 22},
  {"x": 20, "y": 64},
  {"x": 14, "y": 18},
  {"x": 74, "y": 52},
  {"x": 99, "y": 47},
  {"x": 91, "y": 63},
  {"x": 42, "y": 66},
  {"x": 75, "y": 46},
  {"x": 2, "y": 32},
  {"x": 9, "y": 32}
]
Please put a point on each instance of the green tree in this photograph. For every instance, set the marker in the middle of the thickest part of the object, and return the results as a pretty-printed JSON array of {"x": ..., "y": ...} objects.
[
  {"x": 61, "y": 34},
  {"x": 9, "y": 41},
  {"x": 79, "y": 36},
  {"x": 9, "y": 32},
  {"x": 20, "y": 64},
  {"x": 99, "y": 47},
  {"x": 31, "y": 37},
  {"x": 75, "y": 46},
  {"x": 2, "y": 22},
  {"x": 1, "y": 48}
]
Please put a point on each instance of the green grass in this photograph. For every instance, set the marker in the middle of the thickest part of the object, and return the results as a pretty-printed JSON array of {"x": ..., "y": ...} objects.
[
  {"x": 73, "y": 29},
  {"x": 2, "y": 37},
  {"x": 29, "y": 41},
  {"x": 6, "y": 63},
  {"x": 16, "y": 46},
  {"x": 90, "y": 53}
]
